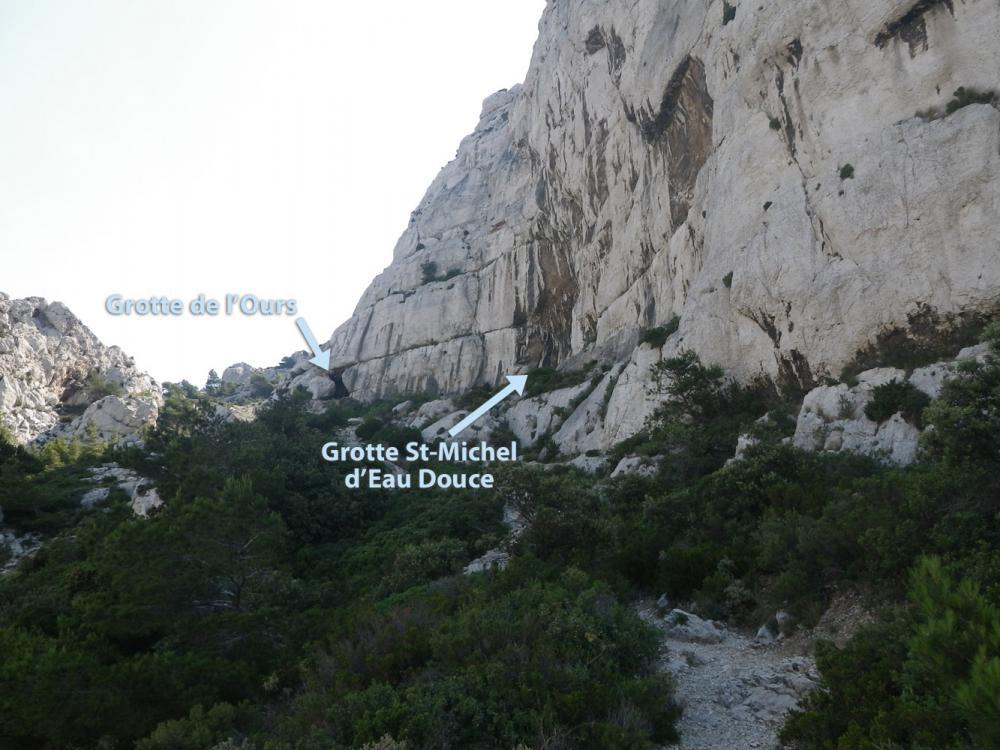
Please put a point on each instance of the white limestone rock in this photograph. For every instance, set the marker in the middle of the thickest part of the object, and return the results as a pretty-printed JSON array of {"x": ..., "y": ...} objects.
[
  {"x": 115, "y": 419},
  {"x": 656, "y": 162},
  {"x": 642, "y": 466},
  {"x": 584, "y": 429},
  {"x": 931, "y": 379},
  {"x": 401, "y": 410},
  {"x": 51, "y": 364},
  {"x": 94, "y": 496},
  {"x": 590, "y": 464},
  {"x": 145, "y": 502},
  {"x": 832, "y": 418},
  {"x": 16, "y": 548},
  {"x": 238, "y": 374},
  {"x": 143, "y": 497},
  {"x": 431, "y": 412},
  {"x": 531, "y": 419},
  {"x": 684, "y": 626},
  {"x": 480, "y": 431}
]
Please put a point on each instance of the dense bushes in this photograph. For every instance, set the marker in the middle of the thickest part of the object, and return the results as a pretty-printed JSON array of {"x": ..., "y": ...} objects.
[
  {"x": 191, "y": 628},
  {"x": 930, "y": 677},
  {"x": 897, "y": 397},
  {"x": 523, "y": 657},
  {"x": 266, "y": 607}
]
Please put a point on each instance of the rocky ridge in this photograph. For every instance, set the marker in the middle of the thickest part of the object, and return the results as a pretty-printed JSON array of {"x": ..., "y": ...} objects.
[
  {"x": 58, "y": 379},
  {"x": 763, "y": 179}
]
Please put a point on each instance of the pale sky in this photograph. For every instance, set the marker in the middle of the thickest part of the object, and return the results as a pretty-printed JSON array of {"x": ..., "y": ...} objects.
[{"x": 274, "y": 148}]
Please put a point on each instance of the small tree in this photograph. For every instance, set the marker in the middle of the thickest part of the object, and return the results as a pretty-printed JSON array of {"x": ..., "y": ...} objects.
[{"x": 214, "y": 383}]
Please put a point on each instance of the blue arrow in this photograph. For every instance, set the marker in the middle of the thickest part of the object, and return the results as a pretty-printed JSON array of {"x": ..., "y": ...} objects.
[
  {"x": 517, "y": 383},
  {"x": 321, "y": 358}
]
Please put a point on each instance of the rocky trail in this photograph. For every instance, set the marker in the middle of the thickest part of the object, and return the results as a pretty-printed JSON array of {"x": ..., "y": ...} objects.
[{"x": 734, "y": 690}]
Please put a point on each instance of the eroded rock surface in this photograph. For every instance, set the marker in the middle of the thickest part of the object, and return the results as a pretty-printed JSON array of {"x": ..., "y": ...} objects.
[
  {"x": 767, "y": 180},
  {"x": 56, "y": 377}
]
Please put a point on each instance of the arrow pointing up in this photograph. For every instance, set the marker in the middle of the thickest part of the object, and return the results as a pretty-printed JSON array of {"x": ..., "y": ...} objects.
[
  {"x": 517, "y": 384},
  {"x": 321, "y": 358}
]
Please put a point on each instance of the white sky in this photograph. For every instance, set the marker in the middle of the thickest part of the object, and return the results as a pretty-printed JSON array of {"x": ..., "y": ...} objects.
[{"x": 230, "y": 146}]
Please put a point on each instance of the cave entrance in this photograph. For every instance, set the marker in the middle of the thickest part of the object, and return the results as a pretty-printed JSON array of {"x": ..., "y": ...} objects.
[{"x": 340, "y": 390}]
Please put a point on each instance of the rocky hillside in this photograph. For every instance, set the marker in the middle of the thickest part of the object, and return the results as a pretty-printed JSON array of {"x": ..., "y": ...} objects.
[
  {"x": 57, "y": 378},
  {"x": 800, "y": 188}
]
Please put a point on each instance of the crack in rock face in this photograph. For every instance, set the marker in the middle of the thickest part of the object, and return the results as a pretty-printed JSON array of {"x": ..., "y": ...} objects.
[{"x": 655, "y": 164}]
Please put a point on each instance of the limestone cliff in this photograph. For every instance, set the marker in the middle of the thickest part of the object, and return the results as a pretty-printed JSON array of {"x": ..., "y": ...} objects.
[
  {"x": 56, "y": 377},
  {"x": 798, "y": 183}
]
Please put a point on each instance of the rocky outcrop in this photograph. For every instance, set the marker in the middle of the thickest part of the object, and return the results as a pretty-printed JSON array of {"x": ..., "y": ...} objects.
[
  {"x": 143, "y": 497},
  {"x": 797, "y": 184},
  {"x": 833, "y": 419},
  {"x": 56, "y": 378}
]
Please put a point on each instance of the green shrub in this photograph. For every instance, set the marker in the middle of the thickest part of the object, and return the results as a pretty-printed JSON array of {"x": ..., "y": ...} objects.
[
  {"x": 727, "y": 280},
  {"x": 260, "y": 386},
  {"x": 474, "y": 397},
  {"x": 728, "y": 13},
  {"x": 397, "y": 436},
  {"x": 966, "y": 416},
  {"x": 429, "y": 271},
  {"x": 965, "y": 96},
  {"x": 928, "y": 678},
  {"x": 416, "y": 564},
  {"x": 657, "y": 337},
  {"x": 847, "y": 172},
  {"x": 199, "y": 730},
  {"x": 897, "y": 397},
  {"x": 99, "y": 387},
  {"x": 369, "y": 428},
  {"x": 546, "y": 379}
]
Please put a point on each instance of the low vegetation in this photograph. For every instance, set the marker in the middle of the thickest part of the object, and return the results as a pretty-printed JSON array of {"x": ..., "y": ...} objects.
[
  {"x": 657, "y": 337},
  {"x": 430, "y": 274},
  {"x": 897, "y": 398},
  {"x": 965, "y": 96},
  {"x": 266, "y": 607},
  {"x": 99, "y": 387},
  {"x": 545, "y": 379}
]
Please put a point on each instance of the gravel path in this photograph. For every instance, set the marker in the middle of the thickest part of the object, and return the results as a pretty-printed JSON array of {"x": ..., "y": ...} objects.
[{"x": 735, "y": 692}]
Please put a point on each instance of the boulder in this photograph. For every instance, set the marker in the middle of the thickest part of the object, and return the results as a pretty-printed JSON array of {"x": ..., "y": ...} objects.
[
  {"x": 684, "y": 626},
  {"x": 642, "y": 466}
]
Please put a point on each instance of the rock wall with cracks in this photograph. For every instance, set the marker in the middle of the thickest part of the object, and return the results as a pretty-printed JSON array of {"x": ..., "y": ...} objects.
[{"x": 790, "y": 184}]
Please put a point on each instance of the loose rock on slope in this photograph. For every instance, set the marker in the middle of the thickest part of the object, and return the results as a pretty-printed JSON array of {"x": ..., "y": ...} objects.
[{"x": 735, "y": 693}]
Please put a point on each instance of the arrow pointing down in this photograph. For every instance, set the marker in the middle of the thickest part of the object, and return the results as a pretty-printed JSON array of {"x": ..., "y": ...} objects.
[
  {"x": 517, "y": 383},
  {"x": 321, "y": 358}
]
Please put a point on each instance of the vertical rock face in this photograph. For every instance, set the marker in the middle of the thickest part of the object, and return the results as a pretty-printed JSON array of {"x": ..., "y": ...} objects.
[
  {"x": 792, "y": 184},
  {"x": 57, "y": 378}
]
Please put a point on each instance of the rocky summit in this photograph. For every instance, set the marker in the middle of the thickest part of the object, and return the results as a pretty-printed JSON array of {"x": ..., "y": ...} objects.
[
  {"x": 57, "y": 378},
  {"x": 794, "y": 186}
]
